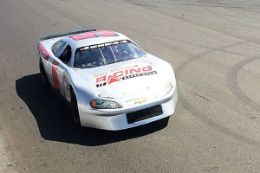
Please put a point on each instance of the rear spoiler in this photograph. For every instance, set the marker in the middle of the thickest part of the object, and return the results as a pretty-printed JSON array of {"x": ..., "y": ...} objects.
[{"x": 66, "y": 34}]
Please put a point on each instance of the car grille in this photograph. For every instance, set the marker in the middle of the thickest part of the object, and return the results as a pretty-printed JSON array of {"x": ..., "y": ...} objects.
[{"x": 144, "y": 114}]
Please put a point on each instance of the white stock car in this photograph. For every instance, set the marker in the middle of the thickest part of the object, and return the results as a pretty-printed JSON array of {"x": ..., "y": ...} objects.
[{"x": 108, "y": 80}]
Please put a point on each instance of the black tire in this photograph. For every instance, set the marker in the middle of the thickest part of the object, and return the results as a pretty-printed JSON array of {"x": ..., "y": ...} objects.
[
  {"x": 44, "y": 77},
  {"x": 74, "y": 108}
]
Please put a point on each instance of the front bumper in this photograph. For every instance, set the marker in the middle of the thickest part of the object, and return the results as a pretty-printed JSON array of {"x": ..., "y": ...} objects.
[{"x": 117, "y": 120}]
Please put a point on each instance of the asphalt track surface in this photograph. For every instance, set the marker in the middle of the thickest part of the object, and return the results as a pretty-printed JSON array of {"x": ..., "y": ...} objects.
[{"x": 214, "y": 47}]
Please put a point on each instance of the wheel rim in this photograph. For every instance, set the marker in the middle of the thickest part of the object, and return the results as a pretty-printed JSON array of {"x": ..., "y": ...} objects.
[
  {"x": 74, "y": 113},
  {"x": 43, "y": 75}
]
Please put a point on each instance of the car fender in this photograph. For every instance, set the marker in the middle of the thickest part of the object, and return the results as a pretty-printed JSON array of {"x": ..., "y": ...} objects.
[{"x": 84, "y": 91}]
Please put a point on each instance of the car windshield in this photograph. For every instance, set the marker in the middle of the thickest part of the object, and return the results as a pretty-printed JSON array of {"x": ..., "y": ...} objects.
[{"x": 108, "y": 53}]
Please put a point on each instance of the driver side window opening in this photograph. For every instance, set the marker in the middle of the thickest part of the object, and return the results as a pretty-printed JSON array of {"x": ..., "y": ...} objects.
[
  {"x": 62, "y": 51},
  {"x": 58, "y": 47},
  {"x": 66, "y": 54}
]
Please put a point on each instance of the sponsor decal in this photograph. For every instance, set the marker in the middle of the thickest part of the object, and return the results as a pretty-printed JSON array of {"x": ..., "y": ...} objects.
[
  {"x": 125, "y": 74},
  {"x": 140, "y": 101}
]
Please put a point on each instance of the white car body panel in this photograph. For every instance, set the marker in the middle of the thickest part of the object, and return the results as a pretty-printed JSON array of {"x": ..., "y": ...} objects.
[{"x": 135, "y": 84}]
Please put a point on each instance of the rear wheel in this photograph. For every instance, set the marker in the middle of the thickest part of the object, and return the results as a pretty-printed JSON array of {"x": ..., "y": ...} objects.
[
  {"x": 74, "y": 108},
  {"x": 44, "y": 77}
]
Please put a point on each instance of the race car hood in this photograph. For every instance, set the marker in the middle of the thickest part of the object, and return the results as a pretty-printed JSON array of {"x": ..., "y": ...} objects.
[{"x": 147, "y": 77}]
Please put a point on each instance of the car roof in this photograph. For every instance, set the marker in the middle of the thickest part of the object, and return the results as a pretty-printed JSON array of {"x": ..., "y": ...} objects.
[{"x": 93, "y": 37}]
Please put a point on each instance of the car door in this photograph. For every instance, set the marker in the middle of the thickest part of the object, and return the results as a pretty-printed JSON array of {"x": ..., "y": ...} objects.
[{"x": 59, "y": 76}]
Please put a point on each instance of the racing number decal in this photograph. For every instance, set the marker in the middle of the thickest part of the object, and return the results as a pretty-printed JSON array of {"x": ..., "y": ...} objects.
[{"x": 56, "y": 82}]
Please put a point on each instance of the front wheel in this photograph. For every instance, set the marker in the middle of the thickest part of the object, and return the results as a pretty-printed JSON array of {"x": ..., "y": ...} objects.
[{"x": 74, "y": 108}]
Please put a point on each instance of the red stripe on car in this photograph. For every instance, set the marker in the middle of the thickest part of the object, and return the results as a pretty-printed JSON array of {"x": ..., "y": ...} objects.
[
  {"x": 83, "y": 36},
  {"x": 55, "y": 75},
  {"x": 106, "y": 33},
  {"x": 43, "y": 51},
  {"x": 99, "y": 33}
]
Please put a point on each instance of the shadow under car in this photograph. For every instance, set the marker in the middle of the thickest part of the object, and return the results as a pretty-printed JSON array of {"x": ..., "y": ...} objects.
[{"x": 55, "y": 121}]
